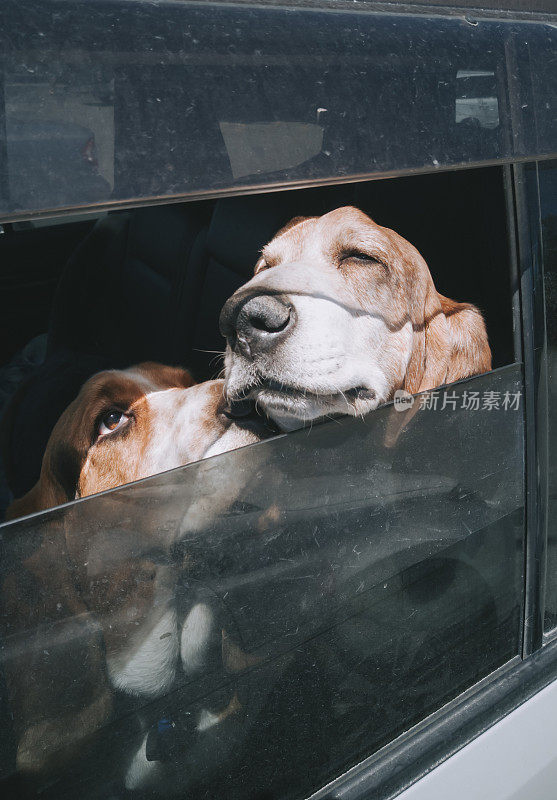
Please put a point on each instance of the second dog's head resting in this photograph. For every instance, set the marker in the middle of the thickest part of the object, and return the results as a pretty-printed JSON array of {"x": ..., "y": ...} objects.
[
  {"x": 340, "y": 314},
  {"x": 129, "y": 424}
]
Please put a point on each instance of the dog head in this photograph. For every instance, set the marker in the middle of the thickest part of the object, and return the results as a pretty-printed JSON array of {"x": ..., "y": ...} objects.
[
  {"x": 129, "y": 424},
  {"x": 340, "y": 314}
]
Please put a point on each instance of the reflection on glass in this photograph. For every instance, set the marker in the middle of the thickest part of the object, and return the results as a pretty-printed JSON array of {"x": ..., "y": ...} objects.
[
  {"x": 361, "y": 574},
  {"x": 59, "y": 135},
  {"x": 476, "y": 98},
  {"x": 257, "y": 147}
]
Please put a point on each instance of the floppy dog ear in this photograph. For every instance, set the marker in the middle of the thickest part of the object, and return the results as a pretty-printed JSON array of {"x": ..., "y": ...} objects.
[
  {"x": 450, "y": 344},
  {"x": 35, "y": 500},
  {"x": 64, "y": 457},
  {"x": 470, "y": 352},
  {"x": 57, "y": 483}
]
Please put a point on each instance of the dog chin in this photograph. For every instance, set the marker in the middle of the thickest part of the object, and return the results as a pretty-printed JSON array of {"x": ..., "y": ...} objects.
[{"x": 291, "y": 413}]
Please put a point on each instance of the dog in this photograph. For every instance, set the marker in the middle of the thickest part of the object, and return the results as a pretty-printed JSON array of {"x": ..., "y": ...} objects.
[
  {"x": 126, "y": 425},
  {"x": 101, "y": 598},
  {"x": 339, "y": 315}
]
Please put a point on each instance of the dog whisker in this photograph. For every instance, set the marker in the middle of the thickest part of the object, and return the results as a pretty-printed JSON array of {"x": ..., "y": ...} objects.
[
  {"x": 200, "y": 350},
  {"x": 216, "y": 359},
  {"x": 344, "y": 397}
]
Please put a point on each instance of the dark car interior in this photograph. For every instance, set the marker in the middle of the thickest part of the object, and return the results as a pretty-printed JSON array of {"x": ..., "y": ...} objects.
[{"x": 149, "y": 283}]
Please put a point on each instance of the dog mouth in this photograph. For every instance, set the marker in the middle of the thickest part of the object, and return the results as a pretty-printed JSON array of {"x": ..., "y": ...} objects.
[{"x": 298, "y": 402}]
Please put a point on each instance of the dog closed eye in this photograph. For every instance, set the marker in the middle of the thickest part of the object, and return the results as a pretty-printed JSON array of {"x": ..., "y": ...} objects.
[{"x": 360, "y": 255}]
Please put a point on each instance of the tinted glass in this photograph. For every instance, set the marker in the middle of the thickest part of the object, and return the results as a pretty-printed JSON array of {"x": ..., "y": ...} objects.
[
  {"x": 547, "y": 173},
  {"x": 118, "y": 100},
  {"x": 495, "y": 5},
  {"x": 263, "y": 620}
]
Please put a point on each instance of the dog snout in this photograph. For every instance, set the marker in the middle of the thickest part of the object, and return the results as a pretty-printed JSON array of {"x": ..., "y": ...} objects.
[{"x": 256, "y": 324}]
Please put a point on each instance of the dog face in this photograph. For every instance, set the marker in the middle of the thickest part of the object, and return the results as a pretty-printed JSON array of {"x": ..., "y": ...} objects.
[
  {"x": 130, "y": 424},
  {"x": 340, "y": 314}
]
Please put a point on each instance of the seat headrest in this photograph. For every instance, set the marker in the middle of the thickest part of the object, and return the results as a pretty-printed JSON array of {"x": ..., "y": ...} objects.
[
  {"x": 242, "y": 226},
  {"x": 161, "y": 236}
]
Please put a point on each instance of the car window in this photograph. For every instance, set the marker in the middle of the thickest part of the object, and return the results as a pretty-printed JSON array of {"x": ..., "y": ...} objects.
[
  {"x": 163, "y": 113},
  {"x": 547, "y": 175},
  {"x": 271, "y": 615}
]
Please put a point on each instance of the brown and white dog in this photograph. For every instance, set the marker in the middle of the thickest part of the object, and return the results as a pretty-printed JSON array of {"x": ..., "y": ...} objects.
[
  {"x": 340, "y": 314},
  {"x": 103, "y": 583},
  {"x": 129, "y": 424}
]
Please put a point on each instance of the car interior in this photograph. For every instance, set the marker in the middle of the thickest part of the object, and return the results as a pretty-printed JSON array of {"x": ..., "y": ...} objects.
[{"x": 149, "y": 283}]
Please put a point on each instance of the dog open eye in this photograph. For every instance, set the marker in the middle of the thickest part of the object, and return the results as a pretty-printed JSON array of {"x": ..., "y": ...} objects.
[{"x": 112, "y": 421}]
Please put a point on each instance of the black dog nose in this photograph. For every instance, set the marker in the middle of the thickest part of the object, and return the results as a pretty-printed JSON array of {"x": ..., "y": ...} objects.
[{"x": 257, "y": 324}]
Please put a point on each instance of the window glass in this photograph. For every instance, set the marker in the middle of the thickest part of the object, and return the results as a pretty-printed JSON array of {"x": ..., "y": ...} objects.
[
  {"x": 263, "y": 620},
  {"x": 59, "y": 134},
  {"x": 547, "y": 172},
  {"x": 125, "y": 100}
]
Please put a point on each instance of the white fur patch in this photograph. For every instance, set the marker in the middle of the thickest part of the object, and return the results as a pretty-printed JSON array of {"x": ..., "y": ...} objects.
[
  {"x": 207, "y": 719},
  {"x": 140, "y": 770},
  {"x": 151, "y": 669},
  {"x": 195, "y": 637}
]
